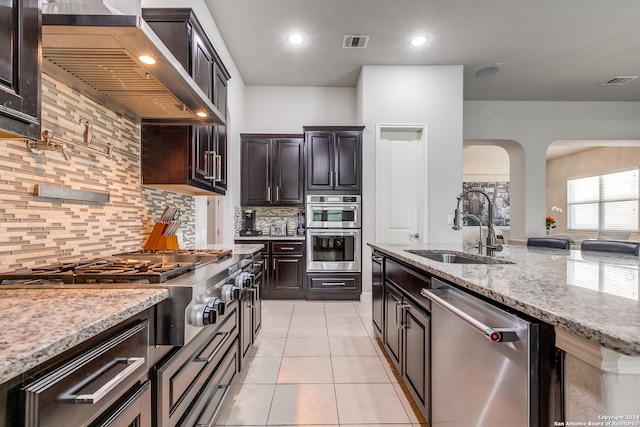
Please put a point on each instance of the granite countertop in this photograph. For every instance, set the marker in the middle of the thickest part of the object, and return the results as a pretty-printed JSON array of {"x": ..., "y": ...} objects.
[
  {"x": 594, "y": 296},
  {"x": 67, "y": 316},
  {"x": 39, "y": 324}
]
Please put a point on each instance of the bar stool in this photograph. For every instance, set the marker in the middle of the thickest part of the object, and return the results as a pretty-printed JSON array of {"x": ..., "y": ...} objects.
[
  {"x": 549, "y": 242},
  {"x": 632, "y": 248}
]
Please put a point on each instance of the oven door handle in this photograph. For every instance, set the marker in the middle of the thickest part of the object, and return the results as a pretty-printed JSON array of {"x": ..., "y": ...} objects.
[
  {"x": 133, "y": 364},
  {"x": 340, "y": 207},
  {"x": 336, "y": 233}
]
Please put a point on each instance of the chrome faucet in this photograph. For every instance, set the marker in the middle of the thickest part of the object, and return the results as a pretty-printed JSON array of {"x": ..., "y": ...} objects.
[
  {"x": 480, "y": 244},
  {"x": 491, "y": 245}
]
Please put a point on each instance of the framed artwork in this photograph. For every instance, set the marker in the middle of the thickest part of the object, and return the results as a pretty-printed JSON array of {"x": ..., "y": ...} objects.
[{"x": 476, "y": 204}]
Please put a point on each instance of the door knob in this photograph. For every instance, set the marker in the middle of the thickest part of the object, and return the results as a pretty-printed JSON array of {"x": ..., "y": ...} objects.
[{"x": 413, "y": 236}]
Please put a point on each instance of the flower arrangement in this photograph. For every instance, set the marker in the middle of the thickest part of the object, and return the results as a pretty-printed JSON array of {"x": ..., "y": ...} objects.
[{"x": 551, "y": 222}]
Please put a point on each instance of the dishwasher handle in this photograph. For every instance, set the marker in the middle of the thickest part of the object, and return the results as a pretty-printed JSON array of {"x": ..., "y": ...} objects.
[{"x": 492, "y": 334}]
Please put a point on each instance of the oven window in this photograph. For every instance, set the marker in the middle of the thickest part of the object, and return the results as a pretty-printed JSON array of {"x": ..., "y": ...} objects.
[
  {"x": 334, "y": 215},
  {"x": 333, "y": 248}
]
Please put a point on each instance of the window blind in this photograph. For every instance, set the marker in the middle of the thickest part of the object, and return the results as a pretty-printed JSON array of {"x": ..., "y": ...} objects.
[{"x": 604, "y": 202}]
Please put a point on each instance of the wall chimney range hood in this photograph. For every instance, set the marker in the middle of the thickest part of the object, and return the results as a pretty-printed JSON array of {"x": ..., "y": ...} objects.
[{"x": 95, "y": 46}]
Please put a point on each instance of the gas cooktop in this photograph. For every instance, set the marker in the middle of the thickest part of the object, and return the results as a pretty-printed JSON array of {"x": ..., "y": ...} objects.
[
  {"x": 211, "y": 254},
  {"x": 101, "y": 270}
]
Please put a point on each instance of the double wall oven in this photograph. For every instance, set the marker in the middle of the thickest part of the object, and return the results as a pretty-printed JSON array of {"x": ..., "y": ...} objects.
[{"x": 333, "y": 233}]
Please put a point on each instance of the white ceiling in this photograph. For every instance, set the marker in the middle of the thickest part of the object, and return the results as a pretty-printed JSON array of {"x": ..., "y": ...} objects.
[{"x": 552, "y": 50}]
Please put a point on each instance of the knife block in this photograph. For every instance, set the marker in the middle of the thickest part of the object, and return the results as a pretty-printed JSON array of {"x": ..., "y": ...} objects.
[{"x": 158, "y": 241}]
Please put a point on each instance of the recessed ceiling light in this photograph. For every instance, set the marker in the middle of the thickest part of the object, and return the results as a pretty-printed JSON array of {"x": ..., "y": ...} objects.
[
  {"x": 201, "y": 114},
  {"x": 147, "y": 59},
  {"x": 296, "y": 39},
  {"x": 418, "y": 40}
]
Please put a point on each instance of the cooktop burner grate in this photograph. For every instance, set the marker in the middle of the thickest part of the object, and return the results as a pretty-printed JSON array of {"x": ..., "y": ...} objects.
[{"x": 98, "y": 271}]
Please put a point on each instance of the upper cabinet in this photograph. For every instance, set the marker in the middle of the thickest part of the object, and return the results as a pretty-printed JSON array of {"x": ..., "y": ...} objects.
[
  {"x": 20, "y": 63},
  {"x": 188, "y": 159},
  {"x": 334, "y": 159},
  {"x": 272, "y": 171}
]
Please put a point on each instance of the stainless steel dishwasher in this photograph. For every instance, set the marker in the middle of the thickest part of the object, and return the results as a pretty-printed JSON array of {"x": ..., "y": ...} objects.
[{"x": 484, "y": 362}]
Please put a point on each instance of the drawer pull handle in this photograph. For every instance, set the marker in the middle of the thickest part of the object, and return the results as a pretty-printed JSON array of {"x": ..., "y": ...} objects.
[
  {"x": 209, "y": 358},
  {"x": 133, "y": 364},
  {"x": 334, "y": 284},
  {"x": 288, "y": 248}
]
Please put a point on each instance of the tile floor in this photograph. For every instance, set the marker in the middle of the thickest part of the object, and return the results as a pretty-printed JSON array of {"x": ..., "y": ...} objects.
[{"x": 317, "y": 363}]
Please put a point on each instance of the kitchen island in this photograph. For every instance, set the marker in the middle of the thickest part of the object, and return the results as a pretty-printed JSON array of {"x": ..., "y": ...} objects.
[
  {"x": 40, "y": 324},
  {"x": 591, "y": 300}
]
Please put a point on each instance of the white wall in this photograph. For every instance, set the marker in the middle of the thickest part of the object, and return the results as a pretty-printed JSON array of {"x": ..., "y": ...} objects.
[
  {"x": 535, "y": 125},
  {"x": 280, "y": 109},
  {"x": 429, "y": 95}
]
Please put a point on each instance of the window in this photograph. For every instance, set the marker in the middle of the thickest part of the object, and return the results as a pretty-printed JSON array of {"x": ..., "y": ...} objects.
[{"x": 604, "y": 202}]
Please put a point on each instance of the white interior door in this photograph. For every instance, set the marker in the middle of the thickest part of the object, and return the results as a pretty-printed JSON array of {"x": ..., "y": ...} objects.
[{"x": 401, "y": 153}]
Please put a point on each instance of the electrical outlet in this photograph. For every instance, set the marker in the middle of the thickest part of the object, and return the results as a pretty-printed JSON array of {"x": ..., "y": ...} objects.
[{"x": 450, "y": 219}]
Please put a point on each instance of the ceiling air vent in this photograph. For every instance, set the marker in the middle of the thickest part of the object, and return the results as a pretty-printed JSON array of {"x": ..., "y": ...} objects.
[
  {"x": 355, "y": 42},
  {"x": 618, "y": 80}
]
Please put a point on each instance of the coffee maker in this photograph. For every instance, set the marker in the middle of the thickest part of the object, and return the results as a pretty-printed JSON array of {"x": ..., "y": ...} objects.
[{"x": 248, "y": 223}]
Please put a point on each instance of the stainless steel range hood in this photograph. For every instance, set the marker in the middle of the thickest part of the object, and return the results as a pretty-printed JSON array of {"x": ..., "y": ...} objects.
[{"x": 94, "y": 46}]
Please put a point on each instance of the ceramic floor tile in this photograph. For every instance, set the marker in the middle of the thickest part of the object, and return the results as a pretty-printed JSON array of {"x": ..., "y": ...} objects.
[
  {"x": 303, "y": 404},
  {"x": 352, "y": 346},
  {"x": 308, "y": 317},
  {"x": 308, "y": 329},
  {"x": 301, "y": 346},
  {"x": 270, "y": 329},
  {"x": 414, "y": 413},
  {"x": 309, "y": 307},
  {"x": 369, "y": 403},
  {"x": 358, "y": 370},
  {"x": 268, "y": 346},
  {"x": 260, "y": 370},
  {"x": 246, "y": 404},
  {"x": 346, "y": 329},
  {"x": 305, "y": 370},
  {"x": 277, "y": 305}
]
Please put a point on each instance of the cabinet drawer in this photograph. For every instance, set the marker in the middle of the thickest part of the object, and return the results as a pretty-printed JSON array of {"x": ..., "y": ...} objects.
[
  {"x": 288, "y": 248},
  {"x": 327, "y": 283},
  {"x": 409, "y": 281}
]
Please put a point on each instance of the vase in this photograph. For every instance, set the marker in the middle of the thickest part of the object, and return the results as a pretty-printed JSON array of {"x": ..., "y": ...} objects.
[{"x": 548, "y": 232}]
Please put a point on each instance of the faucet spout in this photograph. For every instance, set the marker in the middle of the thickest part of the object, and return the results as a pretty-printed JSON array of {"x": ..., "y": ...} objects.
[{"x": 491, "y": 243}]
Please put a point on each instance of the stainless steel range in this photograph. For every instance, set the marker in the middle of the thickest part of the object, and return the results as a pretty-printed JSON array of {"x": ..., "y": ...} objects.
[{"x": 197, "y": 328}]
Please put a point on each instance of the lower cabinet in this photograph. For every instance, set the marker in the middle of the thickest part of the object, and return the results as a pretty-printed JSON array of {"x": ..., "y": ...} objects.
[
  {"x": 325, "y": 286},
  {"x": 406, "y": 333},
  {"x": 283, "y": 268}
]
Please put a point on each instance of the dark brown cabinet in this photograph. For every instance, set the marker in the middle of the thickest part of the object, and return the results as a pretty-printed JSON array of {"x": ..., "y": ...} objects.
[
  {"x": 182, "y": 159},
  {"x": 333, "y": 286},
  {"x": 20, "y": 62},
  {"x": 406, "y": 329},
  {"x": 283, "y": 269},
  {"x": 334, "y": 159},
  {"x": 272, "y": 170},
  {"x": 201, "y": 151}
]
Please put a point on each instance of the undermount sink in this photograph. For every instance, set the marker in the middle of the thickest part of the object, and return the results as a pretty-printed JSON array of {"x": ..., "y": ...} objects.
[{"x": 453, "y": 257}]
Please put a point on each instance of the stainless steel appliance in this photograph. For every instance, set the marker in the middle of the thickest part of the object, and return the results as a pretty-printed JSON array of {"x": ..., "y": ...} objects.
[
  {"x": 333, "y": 211},
  {"x": 333, "y": 233},
  {"x": 333, "y": 250},
  {"x": 197, "y": 328},
  {"x": 487, "y": 362}
]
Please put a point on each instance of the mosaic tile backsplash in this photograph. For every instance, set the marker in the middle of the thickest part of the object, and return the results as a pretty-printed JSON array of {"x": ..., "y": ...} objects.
[
  {"x": 38, "y": 230},
  {"x": 265, "y": 216}
]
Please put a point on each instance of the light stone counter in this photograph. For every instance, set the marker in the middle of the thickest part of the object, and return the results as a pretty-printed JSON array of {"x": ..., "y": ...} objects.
[
  {"x": 591, "y": 296},
  {"x": 592, "y": 301},
  {"x": 39, "y": 324}
]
